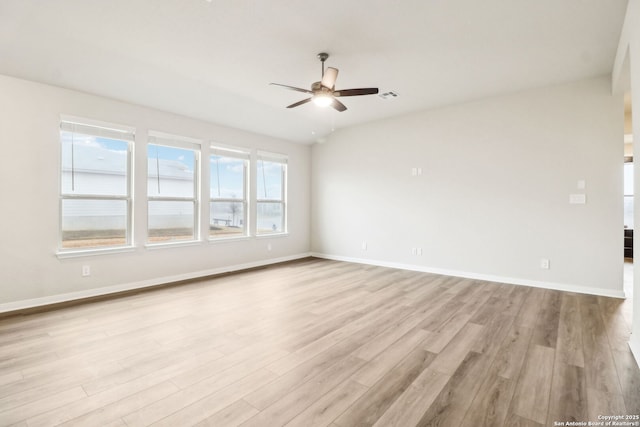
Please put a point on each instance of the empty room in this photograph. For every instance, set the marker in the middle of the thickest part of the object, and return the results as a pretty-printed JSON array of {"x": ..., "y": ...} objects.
[{"x": 243, "y": 213}]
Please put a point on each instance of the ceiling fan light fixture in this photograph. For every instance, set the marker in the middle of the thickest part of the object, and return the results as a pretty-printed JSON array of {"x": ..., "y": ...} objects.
[
  {"x": 322, "y": 99},
  {"x": 324, "y": 93}
]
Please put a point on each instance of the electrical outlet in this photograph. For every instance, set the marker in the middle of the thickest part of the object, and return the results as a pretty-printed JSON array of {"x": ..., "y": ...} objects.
[
  {"x": 269, "y": 246},
  {"x": 86, "y": 271},
  {"x": 544, "y": 263}
]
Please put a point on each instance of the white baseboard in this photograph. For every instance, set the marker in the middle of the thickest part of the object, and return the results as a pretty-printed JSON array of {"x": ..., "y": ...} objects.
[
  {"x": 479, "y": 276},
  {"x": 72, "y": 296}
]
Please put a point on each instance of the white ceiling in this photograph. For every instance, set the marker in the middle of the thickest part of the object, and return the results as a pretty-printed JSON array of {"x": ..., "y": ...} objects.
[{"x": 214, "y": 60}]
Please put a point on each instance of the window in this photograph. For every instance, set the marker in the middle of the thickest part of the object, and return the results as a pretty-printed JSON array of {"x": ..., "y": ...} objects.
[
  {"x": 95, "y": 186},
  {"x": 172, "y": 189},
  {"x": 271, "y": 193},
  {"x": 228, "y": 193}
]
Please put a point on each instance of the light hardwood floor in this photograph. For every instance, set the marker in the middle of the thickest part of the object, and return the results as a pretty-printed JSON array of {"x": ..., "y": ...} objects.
[{"x": 321, "y": 343}]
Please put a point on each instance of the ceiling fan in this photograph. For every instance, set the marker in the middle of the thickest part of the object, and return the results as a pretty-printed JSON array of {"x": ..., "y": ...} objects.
[{"x": 324, "y": 93}]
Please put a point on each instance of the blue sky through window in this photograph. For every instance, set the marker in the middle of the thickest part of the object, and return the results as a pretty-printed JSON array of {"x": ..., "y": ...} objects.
[
  {"x": 227, "y": 177},
  {"x": 111, "y": 144},
  {"x": 178, "y": 155},
  {"x": 227, "y": 173},
  {"x": 269, "y": 180}
]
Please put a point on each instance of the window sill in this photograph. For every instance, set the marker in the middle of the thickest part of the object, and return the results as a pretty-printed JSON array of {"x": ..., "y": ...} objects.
[
  {"x": 229, "y": 239},
  {"x": 63, "y": 254},
  {"x": 153, "y": 246},
  {"x": 271, "y": 235}
]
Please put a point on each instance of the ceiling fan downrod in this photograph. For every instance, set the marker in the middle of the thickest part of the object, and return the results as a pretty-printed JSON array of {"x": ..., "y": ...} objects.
[{"x": 323, "y": 57}]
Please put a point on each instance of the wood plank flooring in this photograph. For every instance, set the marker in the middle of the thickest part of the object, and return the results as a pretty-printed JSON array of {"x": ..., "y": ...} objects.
[{"x": 321, "y": 343}]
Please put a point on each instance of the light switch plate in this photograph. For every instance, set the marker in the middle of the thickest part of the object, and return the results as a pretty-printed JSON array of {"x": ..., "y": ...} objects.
[{"x": 577, "y": 199}]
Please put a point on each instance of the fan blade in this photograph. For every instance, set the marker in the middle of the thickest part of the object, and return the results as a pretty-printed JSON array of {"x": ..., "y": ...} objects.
[
  {"x": 356, "y": 92},
  {"x": 304, "y": 101},
  {"x": 338, "y": 105},
  {"x": 297, "y": 89},
  {"x": 329, "y": 78}
]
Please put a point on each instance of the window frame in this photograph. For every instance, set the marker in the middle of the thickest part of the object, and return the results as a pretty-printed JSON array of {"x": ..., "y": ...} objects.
[
  {"x": 628, "y": 162},
  {"x": 185, "y": 143},
  {"x": 238, "y": 154},
  {"x": 93, "y": 128},
  {"x": 282, "y": 159}
]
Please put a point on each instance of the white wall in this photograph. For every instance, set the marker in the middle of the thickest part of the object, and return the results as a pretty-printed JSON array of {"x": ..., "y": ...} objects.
[
  {"x": 628, "y": 130},
  {"x": 30, "y": 271},
  {"x": 626, "y": 77},
  {"x": 631, "y": 31},
  {"x": 493, "y": 198}
]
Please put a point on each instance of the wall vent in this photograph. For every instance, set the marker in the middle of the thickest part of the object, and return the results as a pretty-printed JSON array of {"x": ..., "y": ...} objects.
[{"x": 388, "y": 95}]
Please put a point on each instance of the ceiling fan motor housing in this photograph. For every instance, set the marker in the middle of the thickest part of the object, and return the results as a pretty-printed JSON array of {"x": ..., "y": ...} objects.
[{"x": 316, "y": 87}]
